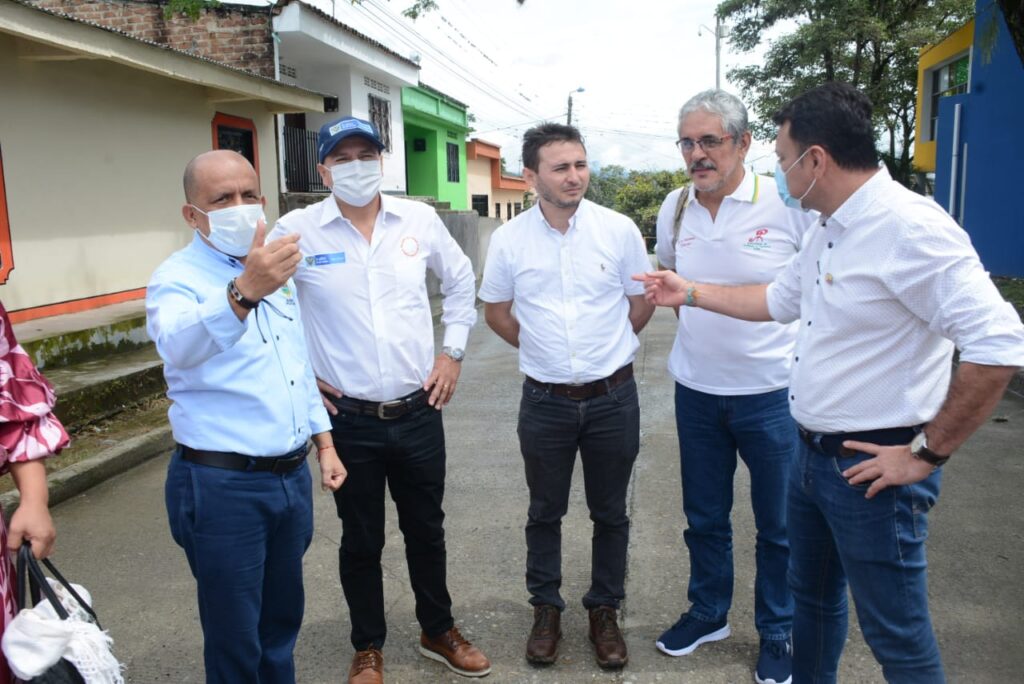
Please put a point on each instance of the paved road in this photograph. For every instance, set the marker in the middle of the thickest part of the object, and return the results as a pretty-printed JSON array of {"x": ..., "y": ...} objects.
[{"x": 114, "y": 540}]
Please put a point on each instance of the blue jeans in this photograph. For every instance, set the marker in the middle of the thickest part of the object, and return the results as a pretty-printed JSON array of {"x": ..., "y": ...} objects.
[
  {"x": 244, "y": 534},
  {"x": 606, "y": 432},
  {"x": 711, "y": 430},
  {"x": 878, "y": 546}
]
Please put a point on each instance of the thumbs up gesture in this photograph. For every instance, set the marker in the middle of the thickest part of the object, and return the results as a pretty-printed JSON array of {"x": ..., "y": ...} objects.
[{"x": 268, "y": 266}]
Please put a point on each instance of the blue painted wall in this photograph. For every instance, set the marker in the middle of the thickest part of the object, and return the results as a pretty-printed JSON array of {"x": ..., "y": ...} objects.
[{"x": 990, "y": 138}]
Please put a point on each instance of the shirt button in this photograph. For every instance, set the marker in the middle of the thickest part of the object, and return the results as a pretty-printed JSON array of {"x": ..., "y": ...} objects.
[
  {"x": 830, "y": 245},
  {"x": 797, "y": 358},
  {"x": 792, "y": 397},
  {"x": 808, "y": 322},
  {"x": 293, "y": 382}
]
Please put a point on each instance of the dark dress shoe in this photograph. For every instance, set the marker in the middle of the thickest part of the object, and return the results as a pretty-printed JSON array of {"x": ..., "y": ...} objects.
[
  {"x": 542, "y": 646},
  {"x": 609, "y": 646}
]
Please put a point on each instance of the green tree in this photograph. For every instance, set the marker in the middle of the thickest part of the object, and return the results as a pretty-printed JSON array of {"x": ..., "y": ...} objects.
[
  {"x": 641, "y": 196},
  {"x": 872, "y": 44},
  {"x": 605, "y": 183}
]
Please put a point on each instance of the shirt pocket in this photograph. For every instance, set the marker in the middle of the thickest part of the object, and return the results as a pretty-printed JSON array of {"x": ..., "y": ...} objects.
[{"x": 410, "y": 281}]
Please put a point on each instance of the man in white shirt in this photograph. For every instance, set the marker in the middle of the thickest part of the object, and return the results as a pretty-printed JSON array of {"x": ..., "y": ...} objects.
[
  {"x": 729, "y": 226},
  {"x": 884, "y": 287},
  {"x": 566, "y": 264},
  {"x": 362, "y": 281}
]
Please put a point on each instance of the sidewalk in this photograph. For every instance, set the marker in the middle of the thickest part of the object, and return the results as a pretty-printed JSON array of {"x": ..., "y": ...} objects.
[{"x": 114, "y": 540}]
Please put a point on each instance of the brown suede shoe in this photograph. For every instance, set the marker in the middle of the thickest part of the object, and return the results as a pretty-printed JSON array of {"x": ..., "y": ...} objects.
[
  {"x": 367, "y": 667},
  {"x": 459, "y": 655},
  {"x": 609, "y": 646},
  {"x": 542, "y": 646}
]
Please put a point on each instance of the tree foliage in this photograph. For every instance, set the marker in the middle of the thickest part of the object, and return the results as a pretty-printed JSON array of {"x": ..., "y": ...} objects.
[
  {"x": 637, "y": 194},
  {"x": 190, "y": 8},
  {"x": 872, "y": 44}
]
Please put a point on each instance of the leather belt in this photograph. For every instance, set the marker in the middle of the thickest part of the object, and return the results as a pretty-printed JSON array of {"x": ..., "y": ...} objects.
[
  {"x": 831, "y": 443},
  {"x": 384, "y": 410},
  {"x": 259, "y": 464},
  {"x": 587, "y": 390}
]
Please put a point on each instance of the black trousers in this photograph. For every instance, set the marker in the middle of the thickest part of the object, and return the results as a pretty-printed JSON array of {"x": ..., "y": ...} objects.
[{"x": 408, "y": 455}]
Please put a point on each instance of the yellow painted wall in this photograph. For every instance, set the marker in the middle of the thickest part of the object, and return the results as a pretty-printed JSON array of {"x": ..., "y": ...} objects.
[
  {"x": 478, "y": 180},
  {"x": 931, "y": 55},
  {"x": 93, "y": 154}
]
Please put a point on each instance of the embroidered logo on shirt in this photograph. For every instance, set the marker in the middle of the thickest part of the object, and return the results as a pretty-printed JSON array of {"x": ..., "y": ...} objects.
[
  {"x": 289, "y": 295},
  {"x": 325, "y": 259},
  {"x": 685, "y": 242},
  {"x": 758, "y": 242},
  {"x": 410, "y": 246}
]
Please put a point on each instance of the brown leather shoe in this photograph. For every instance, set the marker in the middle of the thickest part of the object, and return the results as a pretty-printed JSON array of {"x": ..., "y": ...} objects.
[
  {"x": 456, "y": 652},
  {"x": 367, "y": 667},
  {"x": 609, "y": 646},
  {"x": 542, "y": 646}
]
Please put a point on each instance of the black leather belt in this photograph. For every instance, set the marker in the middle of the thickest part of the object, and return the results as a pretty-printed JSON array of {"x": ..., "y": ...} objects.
[
  {"x": 831, "y": 443},
  {"x": 232, "y": 461},
  {"x": 587, "y": 390},
  {"x": 384, "y": 410}
]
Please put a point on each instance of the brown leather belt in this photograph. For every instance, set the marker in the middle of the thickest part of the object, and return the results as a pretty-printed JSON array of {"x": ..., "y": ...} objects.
[
  {"x": 587, "y": 390},
  {"x": 384, "y": 410},
  {"x": 232, "y": 461}
]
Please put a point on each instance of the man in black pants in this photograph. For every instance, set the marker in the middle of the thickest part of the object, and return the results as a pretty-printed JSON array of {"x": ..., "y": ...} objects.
[
  {"x": 370, "y": 335},
  {"x": 566, "y": 265}
]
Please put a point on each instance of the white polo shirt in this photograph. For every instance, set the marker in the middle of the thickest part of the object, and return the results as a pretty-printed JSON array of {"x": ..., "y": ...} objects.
[
  {"x": 365, "y": 309},
  {"x": 885, "y": 288},
  {"x": 569, "y": 291},
  {"x": 752, "y": 238}
]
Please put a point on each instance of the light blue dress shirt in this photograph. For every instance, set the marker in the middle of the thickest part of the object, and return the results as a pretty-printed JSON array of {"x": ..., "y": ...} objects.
[{"x": 242, "y": 386}]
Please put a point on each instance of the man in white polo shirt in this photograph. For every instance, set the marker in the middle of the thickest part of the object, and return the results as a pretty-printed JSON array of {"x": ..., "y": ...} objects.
[
  {"x": 566, "y": 266},
  {"x": 362, "y": 279},
  {"x": 885, "y": 286},
  {"x": 731, "y": 376}
]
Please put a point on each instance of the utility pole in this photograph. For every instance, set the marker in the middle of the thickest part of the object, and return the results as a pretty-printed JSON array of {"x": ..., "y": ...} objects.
[
  {"x": 568, "y": 116},
  {"x": 720, "y": 32}
]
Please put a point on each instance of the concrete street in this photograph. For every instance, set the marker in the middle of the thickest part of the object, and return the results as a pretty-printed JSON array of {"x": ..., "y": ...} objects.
[{"x": 114, "y": 540}]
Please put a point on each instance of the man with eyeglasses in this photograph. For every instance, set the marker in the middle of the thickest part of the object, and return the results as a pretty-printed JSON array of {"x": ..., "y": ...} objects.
[
  {"x": 885, "y": 287},
  {"x": 729, "y": 225}
]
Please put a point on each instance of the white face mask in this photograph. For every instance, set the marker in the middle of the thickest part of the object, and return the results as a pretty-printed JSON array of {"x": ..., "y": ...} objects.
[
  {"x": 232, "y": 228},
  {"x": 357, "y": 182}
]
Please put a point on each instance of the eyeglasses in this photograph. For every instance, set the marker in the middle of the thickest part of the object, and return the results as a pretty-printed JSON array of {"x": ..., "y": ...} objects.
[{"x": 707, "y": 143}]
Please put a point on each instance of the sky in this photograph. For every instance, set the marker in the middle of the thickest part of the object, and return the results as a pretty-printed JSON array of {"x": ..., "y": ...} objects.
[{"x": 514, "y": 66}]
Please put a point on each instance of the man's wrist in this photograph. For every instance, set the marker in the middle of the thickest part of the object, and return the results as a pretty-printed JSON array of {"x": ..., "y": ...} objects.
[
  {"x": 919, "y": 450},
  {"x": 454, "y": 353}
]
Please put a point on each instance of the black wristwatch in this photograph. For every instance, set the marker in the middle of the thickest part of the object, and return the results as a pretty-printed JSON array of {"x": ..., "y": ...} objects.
[
  {"x": 919, "y": 450},
  {"x": 239, "y": 298}
]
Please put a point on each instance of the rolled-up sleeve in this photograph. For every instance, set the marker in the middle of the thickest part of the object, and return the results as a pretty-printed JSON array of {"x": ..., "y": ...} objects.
[{"x": 458, "y": 285}]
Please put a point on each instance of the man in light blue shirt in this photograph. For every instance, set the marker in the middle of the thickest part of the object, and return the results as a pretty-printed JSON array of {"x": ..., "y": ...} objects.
[{"x": 223, "y": 314}]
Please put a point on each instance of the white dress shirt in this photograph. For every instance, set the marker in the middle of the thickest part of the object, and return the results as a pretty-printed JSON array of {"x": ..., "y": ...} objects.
[
  {"x": 752, "y": 237},
  {"x": 367, "y": 315},
  {"x": 885, "y": 287},
  {"x": 241, "y": 386},
  {"x": 569, "y": 291}
]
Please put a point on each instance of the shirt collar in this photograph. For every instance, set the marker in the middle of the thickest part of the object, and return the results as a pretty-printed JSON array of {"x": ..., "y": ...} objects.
[
  {"x": 389, "y": 206},
  {"x": 205, "y": 251},
  {"x": 583, "y": 206},
  {"x": 861, "y": 199}
]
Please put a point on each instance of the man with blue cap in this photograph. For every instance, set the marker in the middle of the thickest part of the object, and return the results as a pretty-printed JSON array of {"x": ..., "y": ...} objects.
[{"x": 362, "y": 278}]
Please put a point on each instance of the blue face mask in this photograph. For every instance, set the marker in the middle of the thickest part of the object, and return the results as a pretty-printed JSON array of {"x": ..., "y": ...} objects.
[{"x": 783, "y": 187}]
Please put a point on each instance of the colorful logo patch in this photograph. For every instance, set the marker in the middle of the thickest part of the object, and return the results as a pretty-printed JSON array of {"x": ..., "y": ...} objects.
[
  {"x": 325, "y": 259},
  {"x": 758, "y": 242}
]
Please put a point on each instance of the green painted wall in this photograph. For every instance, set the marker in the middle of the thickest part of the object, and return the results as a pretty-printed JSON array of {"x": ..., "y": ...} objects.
[{"x": 438, "y": 122}]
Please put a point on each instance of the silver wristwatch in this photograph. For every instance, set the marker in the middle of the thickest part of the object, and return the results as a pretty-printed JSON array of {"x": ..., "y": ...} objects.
[
  {"x": 919, "y": 449},
  {"x": 454, "y": 353}
]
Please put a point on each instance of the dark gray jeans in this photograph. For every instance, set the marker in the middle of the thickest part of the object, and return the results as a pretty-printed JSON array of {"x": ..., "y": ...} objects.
[{"x": 606, "y": 432}]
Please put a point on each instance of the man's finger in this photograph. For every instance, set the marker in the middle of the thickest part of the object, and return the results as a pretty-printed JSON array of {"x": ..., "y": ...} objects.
[
  {"x": 328, "y": 404},
  {"x": 260, "y": 236},
  {"x": 865, "y": 447},
  {"x": 282, "y": 242},
  {"x": 876, "y": 486},
  {"x": 328, "y": 389}
]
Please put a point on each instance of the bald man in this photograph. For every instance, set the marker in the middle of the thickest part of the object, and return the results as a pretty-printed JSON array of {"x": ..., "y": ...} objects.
[{"x": 223, "y": 314}]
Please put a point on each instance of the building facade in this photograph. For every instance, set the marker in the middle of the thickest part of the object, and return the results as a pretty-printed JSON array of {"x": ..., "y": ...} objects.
[
  {"x": 435, "y": 145},
  {"x": 492, "y": 192}
]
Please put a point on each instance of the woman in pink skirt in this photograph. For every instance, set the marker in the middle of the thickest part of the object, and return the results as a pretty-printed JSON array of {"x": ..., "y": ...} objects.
[{"x": 29, "y": 432}]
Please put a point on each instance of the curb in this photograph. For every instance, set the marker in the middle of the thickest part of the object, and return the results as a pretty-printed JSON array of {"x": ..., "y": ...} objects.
[{"x": 73, "y": 480}]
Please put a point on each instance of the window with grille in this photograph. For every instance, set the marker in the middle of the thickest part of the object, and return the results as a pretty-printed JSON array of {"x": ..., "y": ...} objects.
[
  {"x": 497, "y": 210},
  {"x": 453, "y": 163},
  {"x": 479, "y": 203},
  {"x": 949, "y": 79},
  {"x": 380, "y": 115}
]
